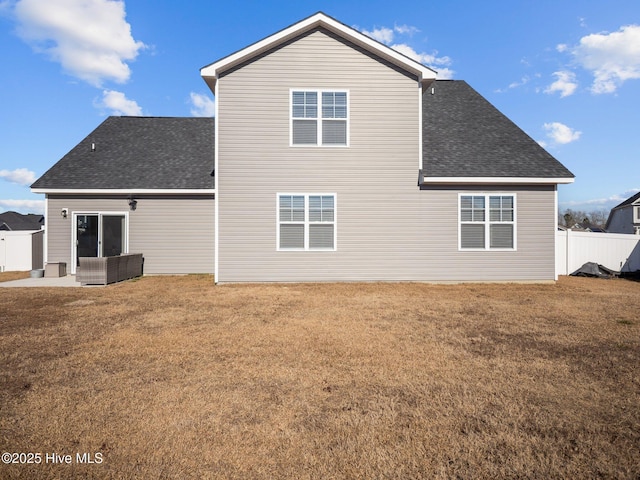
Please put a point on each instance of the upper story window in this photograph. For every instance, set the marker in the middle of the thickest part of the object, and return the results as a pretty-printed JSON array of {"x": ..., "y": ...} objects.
[
  {"x": 636, "y": 214},
  {"x": 319, "y": 117},
  {"x": 487, "y": 222}
]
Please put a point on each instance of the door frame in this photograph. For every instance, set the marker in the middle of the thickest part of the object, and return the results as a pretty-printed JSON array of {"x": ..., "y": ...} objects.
[{"x": 100, "y": 214}]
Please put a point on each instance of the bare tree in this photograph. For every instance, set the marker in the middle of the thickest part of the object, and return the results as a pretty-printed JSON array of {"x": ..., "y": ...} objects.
[{"x": 570, "y": 217}]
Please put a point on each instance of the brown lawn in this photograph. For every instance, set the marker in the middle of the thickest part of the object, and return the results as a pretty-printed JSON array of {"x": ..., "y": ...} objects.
[
  {"x": 178, "y": 378},
  {"x": 9, "y": 276}
]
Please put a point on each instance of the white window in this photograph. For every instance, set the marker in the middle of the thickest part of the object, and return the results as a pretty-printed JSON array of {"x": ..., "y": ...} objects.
[
  {"x": 636, "y": 214},
  {"x": 306, "y": 222},
  {"x": 487, "y": 222},
  {"x": 319, "y": 117}
]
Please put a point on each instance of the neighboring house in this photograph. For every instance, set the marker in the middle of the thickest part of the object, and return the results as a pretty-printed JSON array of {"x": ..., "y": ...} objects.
[
  {"x": 625, "y": 218},
  {"x": 13, "y": 221},
  {"x": 21, "y": 241},
  {"x": 587, "y": 227},
  {"x": 336, "y": 159}
]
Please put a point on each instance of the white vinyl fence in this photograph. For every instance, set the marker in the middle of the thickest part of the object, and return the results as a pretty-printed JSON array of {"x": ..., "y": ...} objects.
[{"x": 616, "y": 251}]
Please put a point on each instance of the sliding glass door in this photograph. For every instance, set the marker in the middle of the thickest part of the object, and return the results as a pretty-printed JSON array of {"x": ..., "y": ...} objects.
[
  {"x": 99, "y": 235},
  {"x": 113, "y": 235},
  {"x": 86, "y": 236}
]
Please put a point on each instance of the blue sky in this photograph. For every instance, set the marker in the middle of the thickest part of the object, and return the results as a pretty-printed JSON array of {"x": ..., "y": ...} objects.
[{"x": 567, "y": 72}]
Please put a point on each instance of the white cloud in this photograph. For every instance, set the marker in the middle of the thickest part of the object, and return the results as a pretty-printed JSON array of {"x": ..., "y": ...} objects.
[
  {"x": 560, "y": 134},
  {"x": 444, "y": 73},
  {"x": 519, "y": 83},
  {"x": 406, "y": 29},
  {"x": 439, "y": 64},
  {"x": 523, "y": 81},
  {"x": 382, "y": 34},
  {"x": 388, "y": 35},
  {"x": 619, "y": 198},
  {"x": 22, "y": 206},
  {"x": 565, "y": 84},
  {"x": 119, "y": 104},
  {"x": 616, "y": 199},
  {"x": 21, "y": 176},
  {"x": 613, "y": 58},
  {"x": 90, "y": 38},
  {"x": 606, "y": 203},
  {"x": 426, "y": 58},
  {"x": 203, "y": 106}
]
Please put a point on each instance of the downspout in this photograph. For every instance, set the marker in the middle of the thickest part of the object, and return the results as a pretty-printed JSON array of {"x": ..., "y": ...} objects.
[{"x": 216, "y": 179}]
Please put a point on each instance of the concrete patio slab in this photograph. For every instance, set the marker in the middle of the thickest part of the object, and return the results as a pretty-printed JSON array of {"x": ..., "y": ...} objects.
[{"x": 67, "y": 281}]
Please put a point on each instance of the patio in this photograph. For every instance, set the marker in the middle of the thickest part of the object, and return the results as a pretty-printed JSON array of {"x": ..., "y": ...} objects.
[{"x": 66, "y": 281}]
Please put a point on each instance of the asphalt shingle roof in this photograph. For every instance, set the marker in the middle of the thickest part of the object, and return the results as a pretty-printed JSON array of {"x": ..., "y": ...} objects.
[
  {"x": 465, "y": 136},
  {"x": 18, "y": 221},
  {"x": 139, "y": 153}
]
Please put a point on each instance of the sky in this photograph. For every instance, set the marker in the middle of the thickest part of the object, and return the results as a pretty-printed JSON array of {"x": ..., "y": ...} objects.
[{"x": 567, "y": 72}]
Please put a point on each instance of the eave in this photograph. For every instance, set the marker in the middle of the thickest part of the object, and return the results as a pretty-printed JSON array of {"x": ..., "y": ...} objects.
[
  {"x": 125, "y": 191},
  {"x": 425, "y": 180},
  {"x": 212, "y": 72}
]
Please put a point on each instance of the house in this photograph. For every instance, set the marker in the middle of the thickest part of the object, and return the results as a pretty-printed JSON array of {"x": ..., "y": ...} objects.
[
  {"x": 21, "y": 241},
  {"x": 334, "y": 158},
  {"x": 139, "y": 185},
  {"x": 587, "y": 227},
  {"x": 625, "y": 218},
  {"x": 14, "y": 221}
]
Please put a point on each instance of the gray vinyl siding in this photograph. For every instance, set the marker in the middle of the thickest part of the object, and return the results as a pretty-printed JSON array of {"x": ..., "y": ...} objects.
[
  {"x": 174, "y": 234},
  {"x": 532, "y": 260},
  {"x": 621, "y": 220},
  {"x": 387, "y": 228}
]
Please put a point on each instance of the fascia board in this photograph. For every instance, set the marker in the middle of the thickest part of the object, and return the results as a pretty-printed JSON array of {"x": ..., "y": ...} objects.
[
  {"x": 495, "y": 180},
  {"x": 125, "y": 191}
]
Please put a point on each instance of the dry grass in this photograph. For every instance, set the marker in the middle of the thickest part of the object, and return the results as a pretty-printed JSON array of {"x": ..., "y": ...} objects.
[
  {"x": 178, "y": 378},
  {"x": 8, "y": 276}
]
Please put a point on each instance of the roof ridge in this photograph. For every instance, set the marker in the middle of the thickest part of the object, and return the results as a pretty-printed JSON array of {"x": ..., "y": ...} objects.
[{"x": 628, "y": 201}]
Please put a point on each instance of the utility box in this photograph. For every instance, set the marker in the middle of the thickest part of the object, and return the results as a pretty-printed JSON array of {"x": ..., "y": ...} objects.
[{"x": 55, "y": 269}]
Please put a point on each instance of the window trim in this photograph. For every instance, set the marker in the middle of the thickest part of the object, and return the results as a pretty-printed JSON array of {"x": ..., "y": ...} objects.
[
  {"x": 319, "y": 118},
  {"x": 487, "y": 221},
  {"x": 636, "y": 214},
  {"x": 307, "y": 222}
]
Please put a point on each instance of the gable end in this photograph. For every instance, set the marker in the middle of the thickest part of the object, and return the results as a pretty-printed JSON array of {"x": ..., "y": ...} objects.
[{"x": 212, "y": 72}]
